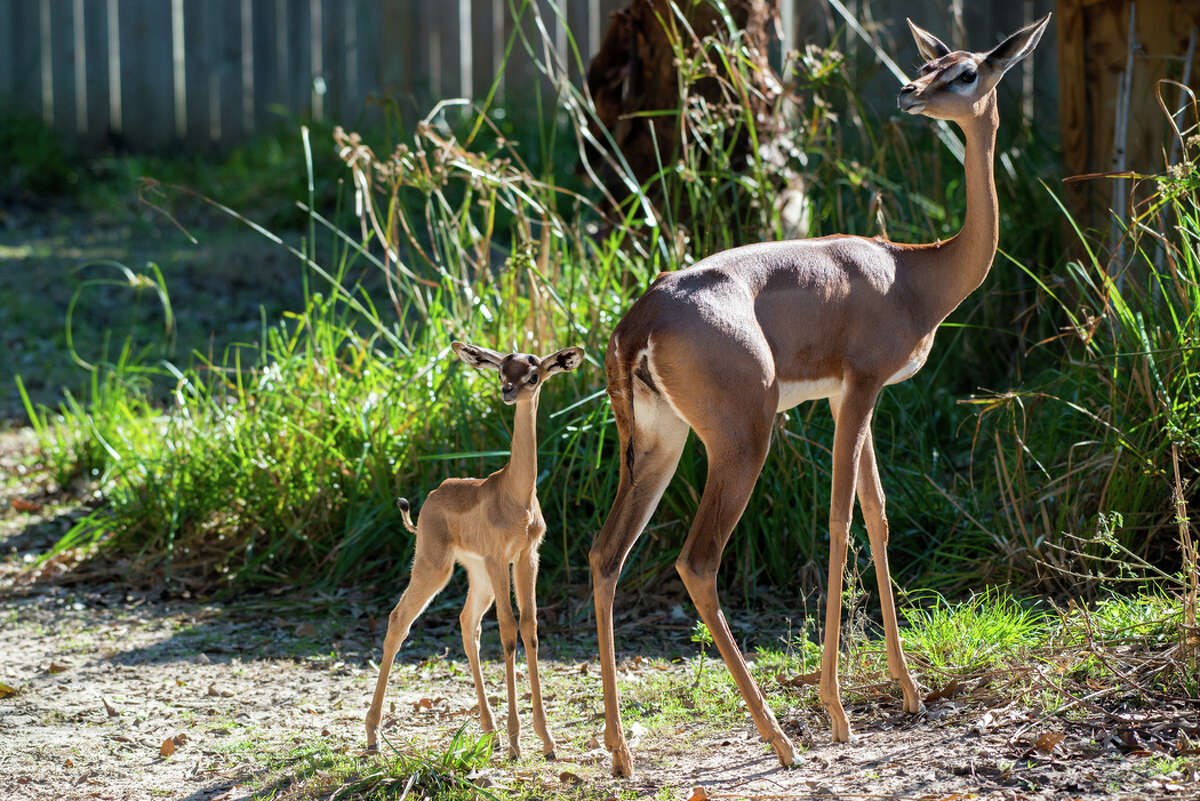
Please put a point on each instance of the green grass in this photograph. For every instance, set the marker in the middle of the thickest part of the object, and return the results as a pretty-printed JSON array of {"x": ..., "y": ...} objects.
[
  {"x": 985, "y": 631},
  {"x": 320, "y": 771}
]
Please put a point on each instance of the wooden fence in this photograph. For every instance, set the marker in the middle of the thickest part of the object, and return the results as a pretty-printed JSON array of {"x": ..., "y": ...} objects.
[{"x": 152, "y": 74}]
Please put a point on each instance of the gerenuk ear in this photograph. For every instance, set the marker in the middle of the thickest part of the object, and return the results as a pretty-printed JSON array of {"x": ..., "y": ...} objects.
[
  {"x": 476, "y": 356},
  {"x": 566, "y": 359},
  {"x": 1017, "y": 46},
  {"x": 929, "y": 46}
]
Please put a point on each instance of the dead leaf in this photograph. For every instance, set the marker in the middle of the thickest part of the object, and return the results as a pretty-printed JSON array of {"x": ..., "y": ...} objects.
[
  {"x": 1047, "y": 742},
  {"x": 800, "y": 680},
  {"x": 567, "y": 777},
  {"x": 424, "y": 703},
  {"x": 69, "y": 763},
  {"x": 23, "y": 505},
  {"x": 6, "y": 690},
  {"x": 58, "y": 667},
  {"x": 170, "y": 744},
  {"x": 698, "y": 794},
  {"x": 109, "y": 708},
  {"x": 947, "y": 691}
]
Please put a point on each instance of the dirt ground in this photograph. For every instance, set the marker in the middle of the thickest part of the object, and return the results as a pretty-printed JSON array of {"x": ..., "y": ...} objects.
[{"x": 103, "y": 677}]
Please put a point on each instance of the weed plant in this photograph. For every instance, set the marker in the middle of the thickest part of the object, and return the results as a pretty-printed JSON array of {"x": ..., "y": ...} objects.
[{"x": 1095, "y": 460}]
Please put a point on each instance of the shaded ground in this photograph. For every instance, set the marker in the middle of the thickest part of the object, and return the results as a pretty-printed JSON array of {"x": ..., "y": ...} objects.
[
  {"x": 251, "y": 694},
  {"x": 49, "y": 255}
]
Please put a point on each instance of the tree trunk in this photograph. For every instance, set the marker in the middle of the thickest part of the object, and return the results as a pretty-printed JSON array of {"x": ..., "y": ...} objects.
[{"x": 635, "y": 83}]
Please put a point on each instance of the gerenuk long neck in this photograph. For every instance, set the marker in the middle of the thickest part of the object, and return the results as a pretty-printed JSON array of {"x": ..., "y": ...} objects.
[
  {"x": 520, "y": 474},
  {"x": 964, "y": 261}
]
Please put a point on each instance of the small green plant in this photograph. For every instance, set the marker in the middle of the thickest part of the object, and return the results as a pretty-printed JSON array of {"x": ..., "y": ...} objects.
[
  {"x": 702, "y": 637},
  {"x": 319, "y": 771},
  {"x": 985, "y": 631}
]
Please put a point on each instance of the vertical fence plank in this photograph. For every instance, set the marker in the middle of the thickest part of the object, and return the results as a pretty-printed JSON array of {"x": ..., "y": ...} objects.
[
  {"x": 520, "y": 74},
  {"x": 244, "y": 60},
  {"x": 371, "y": 49},
  {"x": 266, "y": 20},
  {"x": 485, "y": 57},
  {"x": 147, "y": 92},
  {"x": 8, "y": 68},
  {"x": 395, "y": 63},
  {"x": 94, "y": 71},
  {"x": 198, "y": 43},
  {"x": 227, "y": 17},
  {"x": 578, "y": 14},
  {"x": 299, "y": 45},
  {"x": 112, "y": 49},
  {"x": 333, "y": 72},
  {"x": 314, "y": 40},
  {"x": 416, "y": 84}
]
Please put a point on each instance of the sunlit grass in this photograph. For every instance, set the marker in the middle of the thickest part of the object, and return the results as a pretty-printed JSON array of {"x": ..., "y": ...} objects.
[
  {"x": 319, "y": 771},
  {"x": 984, "y": 631}
]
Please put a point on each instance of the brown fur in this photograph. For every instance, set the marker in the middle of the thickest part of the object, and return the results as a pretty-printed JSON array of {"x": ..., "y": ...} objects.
[
  {"x": 492, "y": 527},
  {"x": 724, "y": 345}
]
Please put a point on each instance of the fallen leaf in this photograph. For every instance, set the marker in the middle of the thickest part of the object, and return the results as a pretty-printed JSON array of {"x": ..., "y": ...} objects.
[
  {"x": 424, "y": 703},
  {"x": 799, "y": 681},
  {"x": 698, "y": 794},
  {"x": 22, "y": 505},
  {"x": 109, "y": 708},
  {"x": 567, "y": 777},
  {"x": 1047, "y": 742},
  {"x": 170, "y": 744},
  {"x": 58, "y": 667},
  {"x": 947, "y": 691},
  {"x": 6, "y": 690}
]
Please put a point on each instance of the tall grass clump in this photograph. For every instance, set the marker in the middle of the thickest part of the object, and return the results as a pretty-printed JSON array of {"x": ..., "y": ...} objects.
[
  {"x": 1097, "y": 461},
  {"x": 984, "y": 631},
  {"x": 279, "y": 462}
]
